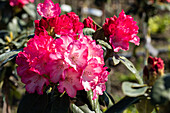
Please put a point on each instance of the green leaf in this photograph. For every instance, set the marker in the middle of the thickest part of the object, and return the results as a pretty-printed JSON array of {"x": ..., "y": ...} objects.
[
  {"x": 6, "y": 55},
  {"x": 14, "y": 25},
  {"x": 120, "y": 106},
  {"x": 2, "y": 41},
  {"x": 76, "y": 109},
  {"x": 60, "y": 104},
  {"x": 103, "y": 43},
  {"x": 161, "y": 90},
  {"x": 107, "y": 99},
  {"x": 81, "y": 109},
  {"x": 115, "y": 60},
  {"x": 33, "y": 103},
  {"x": 88, "y": 31},
  {"x": 30, "y": 9},
  {"x": 133, "y": 89},
  {"x": 94, "y": 103},
  {"x": 131, "y": 67}
]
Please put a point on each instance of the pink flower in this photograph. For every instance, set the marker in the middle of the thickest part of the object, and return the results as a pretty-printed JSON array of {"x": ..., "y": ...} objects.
[
  {"x": 77, "y": 26},
  {"x": 19, "y": 3},
  {"x": 48, "y": 9},
  {"x": 76, "y": 55},
  {"x": 70, "y": 82},
  {"x": 92, "y": 48},
  {"x": 32, "y": 63},
  {"x": 109, "y": 26},
  {"x": 62, "y": 25},
  {"x": 34, "y": 82},
  {"x": 90, "y": 74},
  {"x": 88, "y": 22},
  {"x": 66, "y": 24},
  {"x": 121, "y": 31},
  {"x": 73, "y": 17}
]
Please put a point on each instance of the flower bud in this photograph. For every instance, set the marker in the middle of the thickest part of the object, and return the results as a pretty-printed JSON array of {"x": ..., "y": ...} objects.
[
  {"x": 88, "y": 23},
  {"x": 153, "y": 70}
]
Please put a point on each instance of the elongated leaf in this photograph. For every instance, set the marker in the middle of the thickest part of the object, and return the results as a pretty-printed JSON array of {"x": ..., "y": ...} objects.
[
  {"x": 33, "y": 103},
  {"x": 81, "y": 109},
  {"x": 94, "y": 103},
  {"x": 88, "y": 31},
  {"x": 108, "y": 100},
  {"x": 5, "y": 56},
  {"x": 60, "y": 104},
  {"x": 30, "y": 9},
  {"x": 76, "y": 109},
  {"x": 103, "y": 43},
  {"x": 131, "y": 67},
  {"x": 2, "y": 41},
  {"x": 8, "y": 59},
  {"x": 120, "y": 106},
  {"x": 133, "y": 89}
]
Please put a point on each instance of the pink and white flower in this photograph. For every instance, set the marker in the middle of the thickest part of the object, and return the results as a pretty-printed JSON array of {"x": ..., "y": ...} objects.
[
  {"x": 76, "y": 55},
  {"x": 48, "y": 9},
  {"x": 70, "y": 82}
]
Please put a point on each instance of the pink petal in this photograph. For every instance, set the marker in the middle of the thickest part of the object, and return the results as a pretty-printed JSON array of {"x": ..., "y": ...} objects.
[
  {"x": 34, "y": 82},
  {"x": 71, "y": 82},
  {"x": 91, "y": 74},
  {"x": 23, "y": 63},
  {"x": 76, "y": 56},
  {"x": 56, "y": 68}
]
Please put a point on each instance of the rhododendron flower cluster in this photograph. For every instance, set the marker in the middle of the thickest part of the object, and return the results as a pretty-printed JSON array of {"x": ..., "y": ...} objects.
[
  {"x": 72, "y": 61},
  {"x": 19, "y": 3},
  {"x": 153, "y": 70},
  {"x": 120, "y": 31}
]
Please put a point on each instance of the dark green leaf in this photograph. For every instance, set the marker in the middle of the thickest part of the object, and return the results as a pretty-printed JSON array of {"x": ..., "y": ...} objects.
[
  {"x": 94, "y": 103},
  {"x": 133, "y": 89},
  {"x": 33, "y": 103},
  {"x": 106, "y": 99},
  {"x": 60, "y": 104},
  {"x": 131, "y": 67},
  {"x": 120, "y": 106},
  {"x": 88, "y": 31},
  {"x": 161, "y": 90}
]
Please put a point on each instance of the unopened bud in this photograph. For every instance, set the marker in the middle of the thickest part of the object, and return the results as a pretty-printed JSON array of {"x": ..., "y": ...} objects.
[{"x": 153, "y": 70}]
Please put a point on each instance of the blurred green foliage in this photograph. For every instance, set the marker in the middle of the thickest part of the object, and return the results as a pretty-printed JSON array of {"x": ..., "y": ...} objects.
[{"x": 159, "y": 23}]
